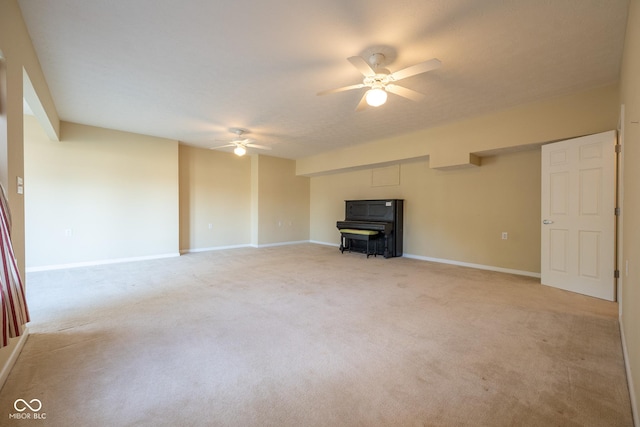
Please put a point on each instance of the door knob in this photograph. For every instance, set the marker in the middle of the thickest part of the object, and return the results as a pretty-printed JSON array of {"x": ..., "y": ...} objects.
[{"x": 547, "y": 221}]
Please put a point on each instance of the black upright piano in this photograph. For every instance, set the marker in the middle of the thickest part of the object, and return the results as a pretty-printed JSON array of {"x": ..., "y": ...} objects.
[{"x": 384, "y": 216}]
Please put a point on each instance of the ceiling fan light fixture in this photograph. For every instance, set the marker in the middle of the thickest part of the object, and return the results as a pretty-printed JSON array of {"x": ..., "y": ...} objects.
[
  {"x": 240, "y": 151},
  {"x": 376, "y": 97}
]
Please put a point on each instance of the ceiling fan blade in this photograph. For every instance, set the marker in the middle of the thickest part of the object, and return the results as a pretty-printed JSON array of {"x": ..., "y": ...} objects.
[
  {"x": 404, "y": 92},
  {"x": 341, "y": 89},
  {"x": 261, "y": 147},
  {"x": 422, "y": 67},
  {"x": 222, "y": 146},
  {"x": 362, "y": 66},
  {"x": 362, "y": 105}
]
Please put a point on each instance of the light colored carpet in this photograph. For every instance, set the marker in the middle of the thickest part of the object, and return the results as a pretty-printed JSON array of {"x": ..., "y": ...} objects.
[{"x": 302, "y": 335}]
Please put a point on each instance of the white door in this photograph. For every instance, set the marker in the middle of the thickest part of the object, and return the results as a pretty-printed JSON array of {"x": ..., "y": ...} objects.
[{"x": 578, "y": 215}]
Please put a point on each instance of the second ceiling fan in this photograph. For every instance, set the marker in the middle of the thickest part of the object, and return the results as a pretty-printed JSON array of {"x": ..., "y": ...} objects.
[
  {"x": 241, "y": 144},
  {"x": 379, "y": 80}
]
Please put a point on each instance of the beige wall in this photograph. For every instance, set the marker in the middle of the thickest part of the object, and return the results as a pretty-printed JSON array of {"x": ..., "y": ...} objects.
[
  {"x": 111, "y": 195},
  {"x": 215, "y": 188},
  {"x": 450, "y": 145},
  {"x": 630, "y": 96},
  {"x": 20, "y": 58},
  {"x": 456, "y": 215},
  {"x": 98, "y": 195},
  {"x": 254, "y": 200},
  {"x": 456, "y": 211},
  {"x": 280, "y": 201}
]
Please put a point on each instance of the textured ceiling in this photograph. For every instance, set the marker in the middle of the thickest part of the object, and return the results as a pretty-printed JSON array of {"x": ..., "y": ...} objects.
[{"x": 190, "y": 70}]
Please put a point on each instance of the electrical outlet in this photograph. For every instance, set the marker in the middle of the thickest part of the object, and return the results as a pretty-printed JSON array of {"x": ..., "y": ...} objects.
[{"x": 504, "y": 235}]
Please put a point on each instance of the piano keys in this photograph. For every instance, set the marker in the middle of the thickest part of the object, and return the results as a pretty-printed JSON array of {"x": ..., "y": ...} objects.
[
  {"x": 383, "y": 227},
  {"x": 384, "y": 216}
]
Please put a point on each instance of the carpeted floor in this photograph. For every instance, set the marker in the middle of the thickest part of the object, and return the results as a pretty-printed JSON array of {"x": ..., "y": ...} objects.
[{"x": 302, "y": 335}]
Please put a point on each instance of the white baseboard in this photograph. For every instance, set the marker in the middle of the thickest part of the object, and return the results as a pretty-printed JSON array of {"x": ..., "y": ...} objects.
[
  {"x": 98, "y": 262},
  {"x": 632, "y": 393},
  {"x": 337, "y": 245},
  {"x": 269, "y": 245},
  {"x": 248, "y": 245},
  {"x": 6, "y": 369},
  {"x": 471, "y": 265},
  {"x": 212, "y": 248},
  {"x": 217, "y": 248},
  {"x": 459, "y": 263}
]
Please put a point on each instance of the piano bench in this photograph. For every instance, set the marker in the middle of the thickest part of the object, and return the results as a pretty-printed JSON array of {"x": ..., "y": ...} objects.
[{"x": 348, "y": 234}]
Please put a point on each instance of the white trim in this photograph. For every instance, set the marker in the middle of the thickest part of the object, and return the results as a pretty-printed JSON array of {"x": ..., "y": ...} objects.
[
  {"x": 213, "y": 248},
  {"x": 621, "y": 264},
  {"x": 632, "y": 393},
  {"x": 337, "y": 245},
  {"x": 247, "y": 245},
  {"x": 459, "y": 263},
  {"x": 268, "y": 245},
  {"x": 183, "y": 251},
  {"x": 99, "y": 262},
  {"x": 471, "y": 265},
  {"x": 6, "y": 369}
]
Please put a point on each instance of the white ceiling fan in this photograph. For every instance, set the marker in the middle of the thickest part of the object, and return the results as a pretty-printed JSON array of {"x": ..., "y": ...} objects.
[
  {"x": 240, "y": 144},
  {"x": 379, "y": 80}
]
